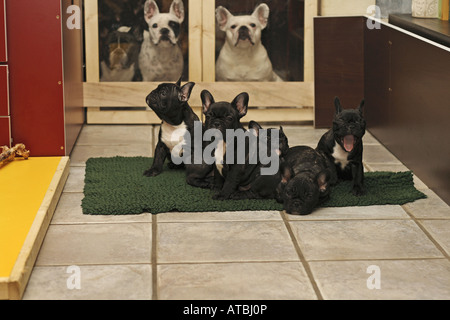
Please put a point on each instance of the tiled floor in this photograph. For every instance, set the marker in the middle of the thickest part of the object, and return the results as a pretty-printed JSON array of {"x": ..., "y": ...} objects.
[{"x": 378, "y": 252}]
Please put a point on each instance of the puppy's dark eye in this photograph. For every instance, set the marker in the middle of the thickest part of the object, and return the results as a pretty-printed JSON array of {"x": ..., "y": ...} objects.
[
  {"x": 155, "y": 25},
  {"x": 233, "y": 26},
  {"x": 252, "y": 25},
  {"x": 230, "y": 118}
]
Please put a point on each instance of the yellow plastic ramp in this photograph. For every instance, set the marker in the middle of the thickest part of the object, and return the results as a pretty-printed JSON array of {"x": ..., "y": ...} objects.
[{"x": 29, "y": 192}]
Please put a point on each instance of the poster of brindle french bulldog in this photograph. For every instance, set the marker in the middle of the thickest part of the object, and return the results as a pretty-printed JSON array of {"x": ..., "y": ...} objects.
[
  {"x": 259, "y": 40},
  {"x": 143, "y": 40}
]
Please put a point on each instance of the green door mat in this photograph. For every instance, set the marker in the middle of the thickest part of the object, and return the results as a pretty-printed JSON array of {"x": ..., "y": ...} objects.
[{"x": 116, "y": 186}]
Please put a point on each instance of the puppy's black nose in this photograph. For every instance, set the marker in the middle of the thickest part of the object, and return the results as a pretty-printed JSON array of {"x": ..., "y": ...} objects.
[{"x": 164, "y": 31}]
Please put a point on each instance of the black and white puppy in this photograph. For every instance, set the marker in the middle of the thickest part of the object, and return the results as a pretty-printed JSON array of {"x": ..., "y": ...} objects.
[
  {"x": 305, "y": 180},
  {"x": 161, "y": 58},
  {"x": 170, "y": 103},
  {"x": 223, "y": 116},
  {"x": 344, "y": 146}
]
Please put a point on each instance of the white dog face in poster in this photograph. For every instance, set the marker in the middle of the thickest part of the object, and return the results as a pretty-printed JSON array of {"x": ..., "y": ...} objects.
[
  {"x": 243, "y": 57},
  {"x": 161, "y": 58}
]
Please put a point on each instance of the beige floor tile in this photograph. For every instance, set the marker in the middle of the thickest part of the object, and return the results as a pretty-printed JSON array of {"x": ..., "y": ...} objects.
[
  {"x": 344, "y": 213},
  {"x": 268, "y": 281},
  {"x": 108, "y": 282},
  {"x": 127, "y": 243},
  {"x": 75, "y": 180},
  {"x": 431, "y": 207},
  {"x": 395, "y": 167},
  {"x": 378, "y": 154},
  {"x": 69, "y": 211},
  {"x": 81, "y": 154},
  {"x": 440, "y": 231},
  {"x": 396, "y": 279},
  {"x": 303, "y": 135},
  {"x": 362, "y": 239},
  {"x": 218, "y": 216},
  {"x": 115, "y": 135},
  {"x": 224, "y": 241}
]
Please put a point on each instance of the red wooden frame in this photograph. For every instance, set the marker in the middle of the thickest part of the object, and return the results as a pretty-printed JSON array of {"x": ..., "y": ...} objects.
[{"x": 34, "y": 35}]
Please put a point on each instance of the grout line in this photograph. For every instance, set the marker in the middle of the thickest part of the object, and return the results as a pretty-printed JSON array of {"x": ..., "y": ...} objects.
[
  {"x": 427, "y": 233},
  {"x": 154, "y": 260},
  {"x": 302, "y": 257}
]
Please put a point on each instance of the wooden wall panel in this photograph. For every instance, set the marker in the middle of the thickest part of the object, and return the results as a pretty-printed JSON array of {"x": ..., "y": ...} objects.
[{"x": 339, "y": 65}]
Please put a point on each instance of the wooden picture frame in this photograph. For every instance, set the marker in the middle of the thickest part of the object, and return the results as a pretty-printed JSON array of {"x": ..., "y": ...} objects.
[{"x": 124, "y": 102}]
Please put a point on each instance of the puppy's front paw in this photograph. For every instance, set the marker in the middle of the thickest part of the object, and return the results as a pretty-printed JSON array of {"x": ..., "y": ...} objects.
[
  {"x": 219, "y": 196},
  {"x": 152, "y": 172},
  {"x": 358, "y": 191}
]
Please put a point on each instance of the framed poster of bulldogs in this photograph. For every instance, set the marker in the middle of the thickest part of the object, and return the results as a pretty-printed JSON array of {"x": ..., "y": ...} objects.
[{"x": 262, "y": 47}]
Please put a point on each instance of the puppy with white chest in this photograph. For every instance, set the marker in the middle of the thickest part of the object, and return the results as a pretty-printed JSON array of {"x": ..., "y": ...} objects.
[
  {"x": 343, "y": 145},
  {"x": 243, "y": 57},
  {"x": 223, "y": 116},
  {"x": 170, "y": 103},
  {"x": 161, "y": 57}
]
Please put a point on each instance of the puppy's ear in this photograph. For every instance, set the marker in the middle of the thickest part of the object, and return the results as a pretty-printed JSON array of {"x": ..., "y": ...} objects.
[
  {"x": 150, "y": 10},
  {"x": 241, "y": 103},
  {"x": 207, "y": 100},
  {"x": 178, "y": 83},
  {"x": 287, "y": 173},
  {"x": 255, "y": 126},
  {"x": 222, "y": 16},
  {"x": 337, "y": 105},
  {"x": 177, "y": 9},
  {"x": 186, "y": 91},
  {"x": 360, "y": 108},
  {"x": 322, "y": 181},
  {"x": 261, "y": 13}
]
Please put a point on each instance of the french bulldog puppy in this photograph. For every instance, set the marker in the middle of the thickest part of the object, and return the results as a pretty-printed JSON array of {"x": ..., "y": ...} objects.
[
  {"x": 170, "y": 103},
  {"x": 305, "y": 180},
  {"x": 161, "y": 58},
  {"x": 223, "y": 116},
  {"x": 343, "y": 145},
  {"x": 243, "y": 57},
  {"x": 257, "y": 185}
]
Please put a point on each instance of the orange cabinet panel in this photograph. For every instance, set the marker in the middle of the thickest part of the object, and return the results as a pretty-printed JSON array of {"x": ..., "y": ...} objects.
[
  {"x": 3, "y": 51},
  {"x": 5, "y": 131},
  {"x": 4, "y": 91}
]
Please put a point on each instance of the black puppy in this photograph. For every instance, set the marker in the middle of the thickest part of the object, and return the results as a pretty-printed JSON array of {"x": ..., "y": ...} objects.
[
  {"x": 344, "y": 146},
  {"x": 223, "y": 117},
  {"x": 263, "y": 186},
  {"x": 170, "y": 103},
  {"x": 305, "y": 180}
]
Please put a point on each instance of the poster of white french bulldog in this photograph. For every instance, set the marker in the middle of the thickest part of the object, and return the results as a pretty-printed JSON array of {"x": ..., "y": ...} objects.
[
  {"x": 243, "y": 57},
  {"x": 161, "y": 58},
  {"x": 143, "y": 40}
]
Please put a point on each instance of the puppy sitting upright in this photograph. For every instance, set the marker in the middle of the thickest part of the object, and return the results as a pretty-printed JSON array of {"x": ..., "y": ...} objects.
[
  {"x": 161, "y": 58},
  {"x": 243, "y": 57},
  {"x": 170, "y": 103},
  {"x": 223, "y": 116},
  {"x": 344, "y": 146}
]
